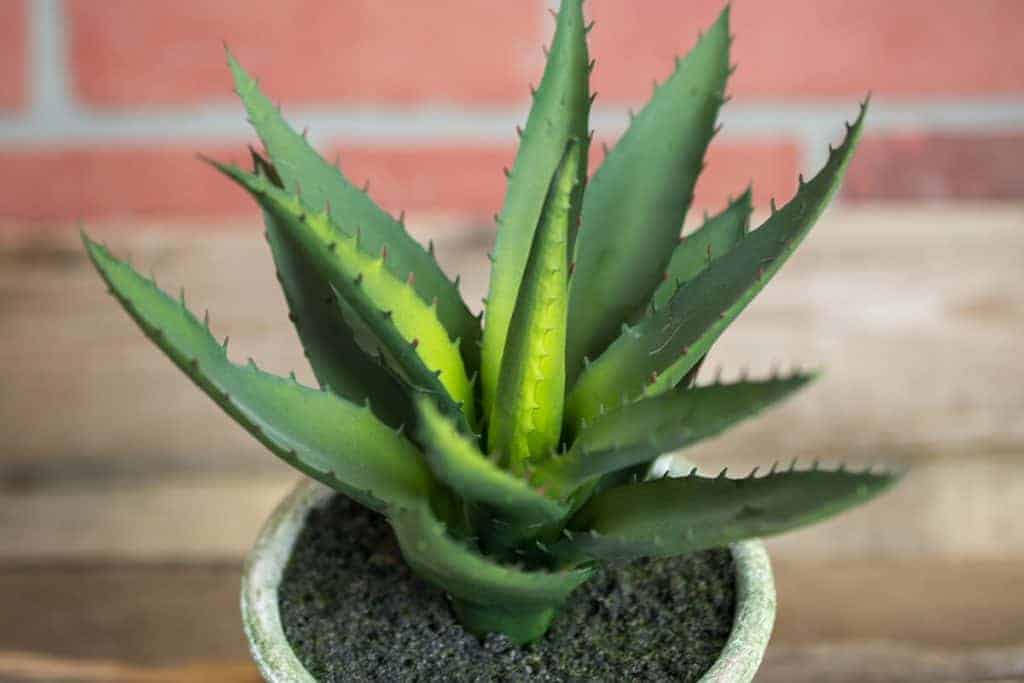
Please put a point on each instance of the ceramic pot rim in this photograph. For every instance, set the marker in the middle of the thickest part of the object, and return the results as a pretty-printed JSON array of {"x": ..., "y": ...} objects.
[{"x": 264, "y": 566}]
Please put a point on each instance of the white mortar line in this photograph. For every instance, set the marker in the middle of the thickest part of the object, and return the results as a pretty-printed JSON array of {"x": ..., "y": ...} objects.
[
  {"x": 50, "y": 97},
  {"x": 52, "y": 120}
]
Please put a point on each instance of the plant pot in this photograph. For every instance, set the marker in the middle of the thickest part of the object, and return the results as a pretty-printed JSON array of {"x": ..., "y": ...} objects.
[{"x": 265, "y": 565}]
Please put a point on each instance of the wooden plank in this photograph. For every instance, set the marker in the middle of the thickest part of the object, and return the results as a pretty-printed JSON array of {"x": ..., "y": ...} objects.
[
  {"x": 914, "y": 312},
  {"x": 945, "y": 509},
  {"x": 827, "y": 663},
  {"x": 914, "y": 316},
  {"x": 864, "y": 621},
  {"x": 159, "y": 615},
  {"x": 23, "y": 667},
  {"x": 883, "y": 662},
  {"x": 952, "y": 604},
  {"x": 160, "y": 519}
]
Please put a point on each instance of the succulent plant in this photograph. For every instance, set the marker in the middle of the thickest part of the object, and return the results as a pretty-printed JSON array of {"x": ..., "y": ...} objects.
[{"x": 512, "y": 457}]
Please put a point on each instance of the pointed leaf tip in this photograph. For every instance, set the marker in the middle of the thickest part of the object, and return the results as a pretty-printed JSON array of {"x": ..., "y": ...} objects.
[
  {"x": 318, "y": 433},
  {"x": 323, "y": 184},
  {"x": 692, "y": 513},
  {"x": 702, "y": 309},
  {"x": 560, "y": 111},
  {"x": 650, "y": 173},
  {"x": 636, "y": 433}
]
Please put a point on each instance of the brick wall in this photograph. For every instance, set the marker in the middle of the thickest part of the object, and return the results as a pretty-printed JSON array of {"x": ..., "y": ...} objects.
[{"x": 104, "y": 103}]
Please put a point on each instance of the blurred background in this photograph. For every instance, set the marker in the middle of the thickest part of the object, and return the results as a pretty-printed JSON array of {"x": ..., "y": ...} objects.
[{"x": 127, "y": 500}]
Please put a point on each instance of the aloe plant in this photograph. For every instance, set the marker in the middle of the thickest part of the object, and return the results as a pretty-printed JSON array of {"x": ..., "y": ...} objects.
[{"x": 510, "y": 458}]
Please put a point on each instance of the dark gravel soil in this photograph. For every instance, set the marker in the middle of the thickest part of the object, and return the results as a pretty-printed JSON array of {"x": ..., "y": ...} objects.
[{"x": 354, "y": 612}]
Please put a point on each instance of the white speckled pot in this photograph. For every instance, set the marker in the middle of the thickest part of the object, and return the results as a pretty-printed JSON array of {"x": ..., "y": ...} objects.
[{"x": 739, "y": 661}]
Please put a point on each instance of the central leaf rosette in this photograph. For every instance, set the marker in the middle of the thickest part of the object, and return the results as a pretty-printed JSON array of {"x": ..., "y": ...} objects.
[{"x": 510, "y": 457}]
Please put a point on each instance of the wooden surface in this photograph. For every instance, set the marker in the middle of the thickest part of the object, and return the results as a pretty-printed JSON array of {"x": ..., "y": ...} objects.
[
  {"x": 837, "y": 622},
  {"x": 127, "y": 502}
]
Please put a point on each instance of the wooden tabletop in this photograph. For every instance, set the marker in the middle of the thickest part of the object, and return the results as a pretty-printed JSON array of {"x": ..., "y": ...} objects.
[{"x": 127, "y": 501}]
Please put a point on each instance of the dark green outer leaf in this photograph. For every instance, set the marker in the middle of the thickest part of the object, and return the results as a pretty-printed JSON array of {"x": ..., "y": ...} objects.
[
  {"x": 641, "y": 472},
  {"x": 561, "y": 107},
  {"x": 321, "y": 185},
  {"x": 475, "y": 578},
  {"x": 696, "y": 251},
  {"x": 637, "y": 433},
  {"x": 634, "y": 207},
  {"x": 659, "y": 351},
  {"x": 336, "y": 442},
  {"x": 336, "y": 359},
  {"x": 406, "y": 329},
  {"x": 669, "y": 517}
]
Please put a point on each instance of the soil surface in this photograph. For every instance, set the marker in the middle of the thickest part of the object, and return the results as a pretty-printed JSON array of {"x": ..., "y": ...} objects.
[{"x": 353, "y": 611}]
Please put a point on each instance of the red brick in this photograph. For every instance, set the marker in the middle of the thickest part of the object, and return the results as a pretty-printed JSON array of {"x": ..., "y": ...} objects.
[
  {"x": 731, "y": 165},
  {"x": 112, "y": 182},
  {"x": 819, "y": 47},
  {"x": 470, "y": 180},
  {"x": 13, "y": 57},
  {"x": 773, "y": 167},
  {"x": 144, "y": 52},
  {"x": 431, "y": 178},
  {"x": 916, "y": 167},
  {"x": 93, "y": 183}
]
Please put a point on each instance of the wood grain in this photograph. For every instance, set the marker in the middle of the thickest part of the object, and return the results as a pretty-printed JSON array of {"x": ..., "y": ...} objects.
[
  {"x": 883, "y": 662},
  {"x": 22, "y": 667},
  {"x": 960, "y": 604},
  {"x": 211, "y": 517},
  {"x": 862, "y": 621},
  {"x": 110, "y": 452},
  {"x": 846, "y": 662},
  {"x": 152, "y": 614}
]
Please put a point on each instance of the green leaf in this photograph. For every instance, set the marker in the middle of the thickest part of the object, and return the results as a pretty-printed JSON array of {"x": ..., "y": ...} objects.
[
  {"x": 337, "y": 360},
  {"x": 321, "y": 186},
  {"x": 526, "y": 420},
  {"x": 332, "y": 440},
  {"x": 457, "y": 461},
  {"x": 635, "y": 205},
  {"x": 468, "y": 575},
  {"x": 407, "y": 329},
  {"x": 661, "y": 349},
  {"x": 696, "y": 251},
  {"x": 637, "y": 433},
  {"x": 668, "y": 517},
  {"x": 561, "y": 107}
]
